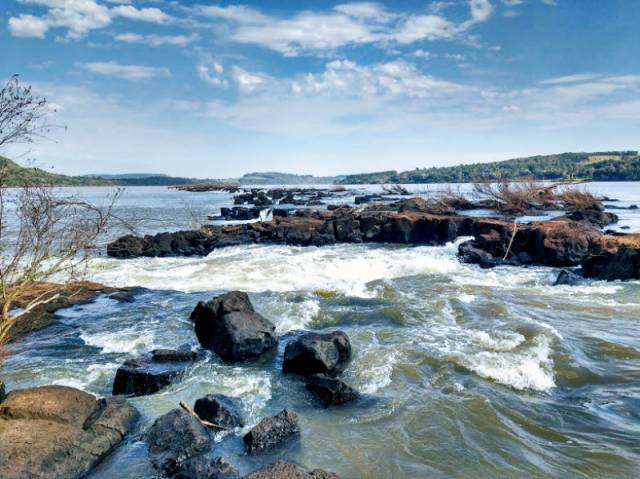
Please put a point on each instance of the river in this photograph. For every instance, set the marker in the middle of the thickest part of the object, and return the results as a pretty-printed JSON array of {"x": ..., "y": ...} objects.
[{"x": 465, "y": 373}]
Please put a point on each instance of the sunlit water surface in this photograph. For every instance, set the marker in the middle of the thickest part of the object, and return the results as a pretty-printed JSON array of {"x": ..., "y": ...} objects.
[{"x": 465, "y": 373}]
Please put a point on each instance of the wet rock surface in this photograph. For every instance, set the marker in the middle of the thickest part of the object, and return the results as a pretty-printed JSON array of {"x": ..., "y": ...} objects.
[
  {"x": 317, "y": 353},
  {"x": 59, "y": 432},
  {"x": 219, "y": 409},
  {"x": 206, "y": 467},
  {"x": 272, "y": 431},
  {"x": 151, "y": 372},
  {"x": 285, "y": 470},
  {"x": 567, "y": 277},
  {"x": 330, "y": 391},
  {"x": 229, "y": 326},
  {"x": 175, "y": 438}
]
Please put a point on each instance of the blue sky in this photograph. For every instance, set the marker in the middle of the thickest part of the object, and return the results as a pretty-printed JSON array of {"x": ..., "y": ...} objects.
[{"x": 218, "y": 89}]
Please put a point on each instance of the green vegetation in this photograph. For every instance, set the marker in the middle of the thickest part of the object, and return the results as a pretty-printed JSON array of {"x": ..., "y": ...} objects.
[
  {"x": 275, "y": 178},
  {"x": 16, "y": 175},
  {"x": 599, "y": 166}
]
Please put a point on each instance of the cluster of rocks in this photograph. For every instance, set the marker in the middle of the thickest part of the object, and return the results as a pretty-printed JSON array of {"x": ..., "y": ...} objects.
[
  {"x": 575, "y": 239},
  {"x": 178, "y": 442},
  {"x": 285, "y": 196}
]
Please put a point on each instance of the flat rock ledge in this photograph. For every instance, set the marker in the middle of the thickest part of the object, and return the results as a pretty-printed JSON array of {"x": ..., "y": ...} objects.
[{"x": 59, "y": 432}]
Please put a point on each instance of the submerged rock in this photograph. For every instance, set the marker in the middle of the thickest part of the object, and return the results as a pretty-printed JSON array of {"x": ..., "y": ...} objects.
[
  {"x": 317, "y": 353},
  {"x": 567, "y": 277},
  {"x": 330, "y": 391},
  {"x": 229, "y": 326},
  {"x": 206, "y": 467},
  {"x": 173, "y": 439},
  {"x": 219, "y": 409},
  {"x": 285, "y": 470},
  {"x": 271, "y": 431},
  {"x": 59, "y": 432},
  {"x": 151, "y": 372}
]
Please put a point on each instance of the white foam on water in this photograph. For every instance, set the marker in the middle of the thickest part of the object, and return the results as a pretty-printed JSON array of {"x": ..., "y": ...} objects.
[
  {"x": 372, "y": 367},
  {"x": 345, "y": 268},
  {"x": 131, "y": 340},
  {"x": 288, "y": 315},
  {"x": 83, "y": 379},
  {"x": 531, "y": 368}
]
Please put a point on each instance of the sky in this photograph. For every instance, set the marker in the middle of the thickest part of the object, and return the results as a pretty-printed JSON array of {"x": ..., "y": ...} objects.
[{"x": 219, "y": 89}]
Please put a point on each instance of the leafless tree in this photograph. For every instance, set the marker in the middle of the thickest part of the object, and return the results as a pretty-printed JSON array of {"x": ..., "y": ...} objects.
[{"x": 45, "y": 234}]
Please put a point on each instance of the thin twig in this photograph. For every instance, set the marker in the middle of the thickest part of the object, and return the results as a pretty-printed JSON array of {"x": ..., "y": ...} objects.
[{"x": 186, "y": 407}]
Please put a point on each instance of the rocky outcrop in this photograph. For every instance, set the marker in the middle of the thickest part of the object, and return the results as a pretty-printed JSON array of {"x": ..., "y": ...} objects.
[
  {"x": 219, "y": 409},
  {"x": 330, "y": 391},
  {"x": 53, "y": 297},
  {"x": 285, "y": 470},
  {"x": 229, "y": 326},
  {"x": 317, "y": 353},
  {"x": 594, "y": 216},
  {"x": 152, "y": 372},
  {"x": 271, "y": 431},
  {"x": 308, "y": 228},
  {"x": 59, "y": 432},
  {"x": 623, "y": 264},
  {"x": 175, "y": 438}
]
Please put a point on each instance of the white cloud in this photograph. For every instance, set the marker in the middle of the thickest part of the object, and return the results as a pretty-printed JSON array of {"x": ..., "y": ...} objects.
[
  {"x": 78, "y": 17},
  {"x": 570, "y": 78},
  {"x": 28, "y": 26},
  {"x": 212, "y": 74},
  {"x": 156, "y": 40},
  {"x": 126, "y": 72},
  {"x": 152, "y": 15},
  {"x": 347, "y": 24},
  {"x": 246, "y": 81}
]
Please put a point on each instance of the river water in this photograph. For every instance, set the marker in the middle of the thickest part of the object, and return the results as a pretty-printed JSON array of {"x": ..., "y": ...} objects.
[{"x": 465, "y": 373}]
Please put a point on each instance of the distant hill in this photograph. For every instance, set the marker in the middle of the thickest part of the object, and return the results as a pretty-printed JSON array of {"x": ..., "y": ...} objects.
[
  {"x": 598, "y": 166},
  {"x": 17, "y": 175},
  {"x": 276, "y": 178},
  {"x": 148, "y": 179}
]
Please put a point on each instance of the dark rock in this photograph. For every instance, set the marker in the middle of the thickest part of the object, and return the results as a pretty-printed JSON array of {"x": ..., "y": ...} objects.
[
  {"x": 123, "y": 296},
  {"x": 285, "y": 470},
  {"x": 623, "y": 264},
  {"x": 219, "y": 409},
  {"x": 593, "y": 216},
  {"x": 59, "y": 432},
  {"x": 625, "y": 227},
  {"x": 470, "y": 252},
  {"x": 262, "y": 199},
  {"x": 3, "y": 392},
  {"x": 206, "y": 467},
  {"x": 149, "y": 373},
  {"x": 229, "y": 326},
  {"x": 281, "y": 212},
  {"x": 568, "y": 278},
  {"x": 633, "y": 207},
  {"x": 173, "y": 439},
  {"x": 271, "y": 431},
  {"x": 420, "y": 205},
  {"x": 317, "y": 353},
  {"x": 330, "y": 391}
]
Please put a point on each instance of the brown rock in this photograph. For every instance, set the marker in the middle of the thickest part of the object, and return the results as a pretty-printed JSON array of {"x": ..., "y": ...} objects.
[
  {"x": 59, "y": 432},
  {"x": 285, "y": 470}
]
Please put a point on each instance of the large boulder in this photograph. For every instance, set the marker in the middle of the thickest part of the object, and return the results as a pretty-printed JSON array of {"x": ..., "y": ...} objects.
[
  {"x": 566, "y": 277},
  {"x": 59, "y": 432},
  {"x": 152, "y": 372},
  {"x": 229, "y": 326},
  {"x": 622, "y": 264},
  {"x": 271, "y": 431},
  {"x": 219, "y": 409},
  {"x": 285, "y": 470},
  {"x": 330, "y": 391},
  {"x": 317, "y": 353},
  {"x": 173, "y": 439}
]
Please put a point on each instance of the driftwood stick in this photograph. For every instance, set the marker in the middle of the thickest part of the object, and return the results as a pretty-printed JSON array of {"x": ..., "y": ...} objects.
[
  {"x": 513, "y": 235},
  {"x": 186, "y": 407}
]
